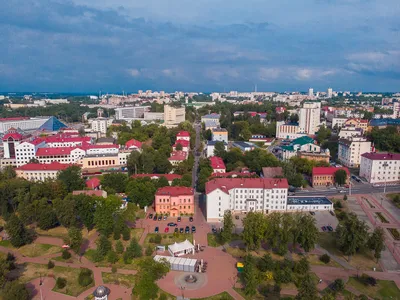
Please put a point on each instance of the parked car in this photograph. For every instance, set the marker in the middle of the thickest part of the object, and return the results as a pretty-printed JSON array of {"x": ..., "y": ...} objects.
[
  {"x": 176, "y": 230},
  {"x": 343, "y": 191},
  {"x": 150, "y": 216},
  {"x": 332, "y": 213},
  {"x": 329, "y": 228},
  {"x": 172, "y": 224},
  {"x": 156, "y": 229},
  {"x": 155, "y": 218},
  {"x": 159, "y": 218},
  {"x": 237, "y": 217},
  {"x": 166, "y": 230},
  {"x": 187, "y": 229},
  {"x": 213, "y": 229},
  {"x": 323, "y": 228},
  {"x": 165, "y": 217},
  {"x": 181, "y": 230},
  {"x": 312, "y": 213},
  {"x": 179, "y": 219},
  {"x": 193, "y": 229},
  {"x": 191, "y": 219}
]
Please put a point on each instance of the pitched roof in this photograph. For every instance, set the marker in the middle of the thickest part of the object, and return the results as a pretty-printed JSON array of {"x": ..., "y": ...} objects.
[
  {"x": 133, "y": 144},
  {"x": 52, "y": 124},
  {"x": 183, "y": 133},
  {"x": 169, "y": 177},
  {"x": 327, "y": 170},
  {"x": 184, "y": 143},
  {"x": 61, "y": 138},
  {"x": 178, "y": 155},
  {"x": 13, "y": 119},
  {"x": 93, "y": 183},
  {"x": 303, "y": 141},
  {"x": 55, "y": 151},
  {"x": 217, "y": 163},
  {"x": 54, "y": 166},
  {"x": 226, "y": 184},
  {"x": 233, "y": 174},
  {"x": 14, "y": 135},
  {"x": 175, "y": 191},
  {"x": 381, "y": 156},
  {"x": 86, "y": 146},
  {"x": 211, "y": 116},
  {"x": 271, "y": 172}
]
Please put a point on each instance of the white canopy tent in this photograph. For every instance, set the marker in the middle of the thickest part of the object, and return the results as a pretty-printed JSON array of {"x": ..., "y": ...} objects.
[
  {"x": 179, "y": 249},
  {"x": 178, "y": 263}
]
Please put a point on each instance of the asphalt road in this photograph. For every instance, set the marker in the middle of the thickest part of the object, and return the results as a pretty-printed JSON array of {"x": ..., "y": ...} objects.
[{"x": 359, "y": 189}]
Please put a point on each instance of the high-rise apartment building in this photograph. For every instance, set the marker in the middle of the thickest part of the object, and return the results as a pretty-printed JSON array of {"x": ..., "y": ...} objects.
[
  {"x": 173, "y": 115},
  {"x": 351, "y": 149},
  {"x": 310, "y": 117},
  {"x": 310, "y": 92},
  {"x": 329, "y": 93}
]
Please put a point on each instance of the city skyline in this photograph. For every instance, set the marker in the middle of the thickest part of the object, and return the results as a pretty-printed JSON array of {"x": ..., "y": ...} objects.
[{"x": 79, "y": 46}]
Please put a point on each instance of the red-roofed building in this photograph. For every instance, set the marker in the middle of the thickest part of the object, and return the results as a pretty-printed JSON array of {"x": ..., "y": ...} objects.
[
  {"x": 177, "y": 157},
  {"x": 61, "y": 140},
  {"x": 93, "y": 183},
  {"x": 234, "y": 174},
  {"x": 60, "y": 154},
  {"x": 325, "y": 176},
  {"x": 244, "y": 195},
  {"x": 169, "y": 177},
  {"x": 133, "y": 145},
  {"x": 174, "y": 201},
  {"x": 183, "y": 135},
  {"x": 378, "y": 168},
  {"x": 217, "y": 164},
  {"x": 99, "y": 149},
  {"x": 184, "y": 143},
  {"x": 280, "y": 109},
  {"x": 40, "y": 172}
]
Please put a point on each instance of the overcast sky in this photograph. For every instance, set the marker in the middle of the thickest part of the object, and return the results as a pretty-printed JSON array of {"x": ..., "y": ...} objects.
[{"x": 199, "y": 45}]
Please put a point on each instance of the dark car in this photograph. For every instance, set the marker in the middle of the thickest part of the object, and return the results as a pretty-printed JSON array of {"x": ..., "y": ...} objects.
[
  {"x": 179, "y": 219},
  {"x": 155, "y": 218},
  {"x": 213, "y": 229},
  {"x": 191, "y": 219},
  {"x": 181, "y": 230},
  {"x": 332, "y": 213},
  {"x": 193, "y": 229},
  {"x": 237, "y": 217},
  {"x": 187, "y": 229},
  {"x": 150, "y": 216},
  {"x": 156, "y": 229},
  {"x": 329, "y": 228},
  {"x": 172, "y": 224},
  {"x": 312, "y": 213},
  {"x": 159, "y": 218},
  {"x": 323, "y": 228},
  {"x": 176, "y": 230}
]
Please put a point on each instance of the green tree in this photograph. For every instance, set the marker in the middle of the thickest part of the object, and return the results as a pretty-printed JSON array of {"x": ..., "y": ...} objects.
[
  {"x": 75, "y": 239},
  {"x": 352, "y": 235},
  {"x": 323, "y": 134},
  {"x": 103, "y": 245},
  {"x": 250, "y": 276},
  {"x": 119, "y": 247},
  {"x": 340, "y": 177},
  {"x": 141, "y": 191},
  {"x": 47, "y": 218},
  {"x": 66, "y": 211},
  {"x": 226, "y": 234},
  {"x": 266, "y": 263},
  {"x": 85, "y": 277},
  {"x": 294, "y": 118},
  {"x": 112, "y": 257},
  {"x": 308, "y": 233},
  {"x": 85, "y": 207},
  {"x": 219, "y": 149},
  {"x": 307, "y": 289},
  {"x": 302, "y": 266},
  {"x": 15, "y": 290},
  {"x": 254, "y": 230},
  {"x": 19, "y": 235},
  {"x": 72, "y": 179},
  {"x": 134, "y": 248},
  {"x": 115, "y": 182},
  {"x": 104, "y": 214},
  {"x": 376, "y": 242}
]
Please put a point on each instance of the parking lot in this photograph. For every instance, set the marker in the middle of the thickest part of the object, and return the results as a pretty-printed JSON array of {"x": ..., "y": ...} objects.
[{"x": 324, "y": 218}]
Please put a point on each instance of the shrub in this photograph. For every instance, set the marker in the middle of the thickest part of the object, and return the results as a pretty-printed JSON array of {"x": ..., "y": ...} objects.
[
  {"x": 50, "y": 265},
  {"x": 345, "y": 197},
  {"x": 85, "y": 277},
  {"x": 126, "y": 233},
  {"x": 368, "y": 280},
  {"x": 113, "y": 269},
  {"x": 302, "y": 266},
  {"x": 163, "y": 297},
  {"x": 158, "y": 239},
  {"x": 151, "y": 240},
  {"x": 112, "y": 257},
  {"x": 119, "y": 248},
  {"x": 66, "y": 254},
  {"x": 338, "y": 285},
  {"x": 325, "y": 258},
  {"x": 362, "y": 297},
  {"x": 149, "y": 251},
  {"x": 10, "y": 257},
  {"x": 338, "y": 205},
  {"x": 61, "y": 282},
  {"x": 97, "y": 257}
]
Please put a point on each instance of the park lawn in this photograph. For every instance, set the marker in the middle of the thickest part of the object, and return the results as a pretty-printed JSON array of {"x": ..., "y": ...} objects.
[
  {"x": 363, "y": 260},
  {"x": 314, "y": 260},
  {"x": 89, "y": 254},
  {"x": 222, "y": 296},
  {"x": 135, "y": 233},
  {"x": 240, "y": 291},
  {"x": 392, "y": 196},
  {"x": 384, "y": 289},
  {"x": 35, "y": 250},
  {"x": 168, "y": 238},
  {"x": 60, "y": 232},
  {"x": 126, "y": 280},
  {"x": 214, "y": 241},
  {"x": 6, "y": 244},
  {"x": 31, "y": 271}
]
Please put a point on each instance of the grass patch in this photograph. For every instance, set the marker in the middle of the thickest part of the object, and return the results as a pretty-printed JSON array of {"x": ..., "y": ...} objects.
[
  {"x": 60, "y": 232},
  {"x": 363, "y": 260},
  {"x": 213, "y": 239},
  {"x": 395, "y": 199},
  {"x": 384, "y": 289},
  {"x": 314, "y": 260},
  {"x": 395, "y": 233},
  {"x": 222, "y": 296},
  {"x": 35, "y": 250},
  {"x": 168, "y": 238},
  {"x": 127, "y": 281},
  {"x": 382, "y": 217},
  {"x": 31, "y": 271},
  {"x": 6, "y": 243},
  {"x": 241, "y": 293},
  {"x": 89, "y": 254}
]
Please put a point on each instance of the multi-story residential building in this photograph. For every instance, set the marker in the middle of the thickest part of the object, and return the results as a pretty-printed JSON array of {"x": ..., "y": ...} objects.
[
  {"x": 347, "y": 132},
  {"x": 174, "y": 201},
  {"x": 380, "y": 167},
  {"x": 183, "y": 143},
  {"x": 357, "y": 123},
  {"x": 217, "y": 164},
  {"x": 64, "y": 155},
  {"x": 288, "y": 131},
  {"x": 40, "y": 172},
  {"x": 11, "y": 141},
  {"x": 26, "y": 151},
  {"x": 310, "y": 115},
  {"x": 338, "y": 122},
  {"x": 325, "y": 176},
  {"x": 101, "y": 124},
  {"x": 396, "y": 110},
  {"x": 244, "y": 195},
  {"x": 177, "y": 157},
  {"x": 219, "y": 135},
  {"x": 211, "y": 146},
  {"x": 131, "y": 112},
  {"x": 351, "y": 149},
  {"x": 329, "y": 93},
  {"x": 183, "y": 135},
  {"x": 211, "y": 119},
  {"x": 173, "y": 115}
]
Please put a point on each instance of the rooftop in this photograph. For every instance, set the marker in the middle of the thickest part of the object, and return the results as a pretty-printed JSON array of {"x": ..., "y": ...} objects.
[
  {"x": 184, "y": 143},
  {"x": 183, "y": 134},
  {"x": 217, "y": 162},
  {"x": 219, "y": 129},
  {"x": 93, "y": 183},
  {"x": 175, "y": 191},
  {"x": 307, "y": 200},
  {"x": 54, "y": 151},
  {"x": 60, "y": 138},
  {"x": 212, "y": 143},
  {"x": 271, "y": 172},
  {"x": 381, "y": 156},
  {"x": 54, "y": 166},
  {"x": 226, "y": 184},
  {"x": 178, "y": 155},
  {"x": 211, "y": 116},
  {"x": 328, "y": 170},
  {"x": 169, "y": 177},
  {"x": 133, "y": 144}
]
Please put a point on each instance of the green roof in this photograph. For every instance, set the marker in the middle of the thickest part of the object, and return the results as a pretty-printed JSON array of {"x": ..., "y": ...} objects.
[{"x": 303, "y": 141}]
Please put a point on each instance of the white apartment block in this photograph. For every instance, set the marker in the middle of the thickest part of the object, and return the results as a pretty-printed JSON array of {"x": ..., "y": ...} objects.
[
  {"x": 131, "y": 112},
  {"x": 351, "y": 149},
  {"x": 338, "y": 122},
  {"x": 288, "y": 131},
  {"x": 347, "y": 132},
  {"x": 173, "y": 115},
  {"x": 241, "y": 195},
  {"x": 101, "y": 125},
  {"x": 310, "y": 117},
  {"x": 40, "y": 172},
  {"x": 380, "y": 167},
  {"x": 25, "y": 151}
]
